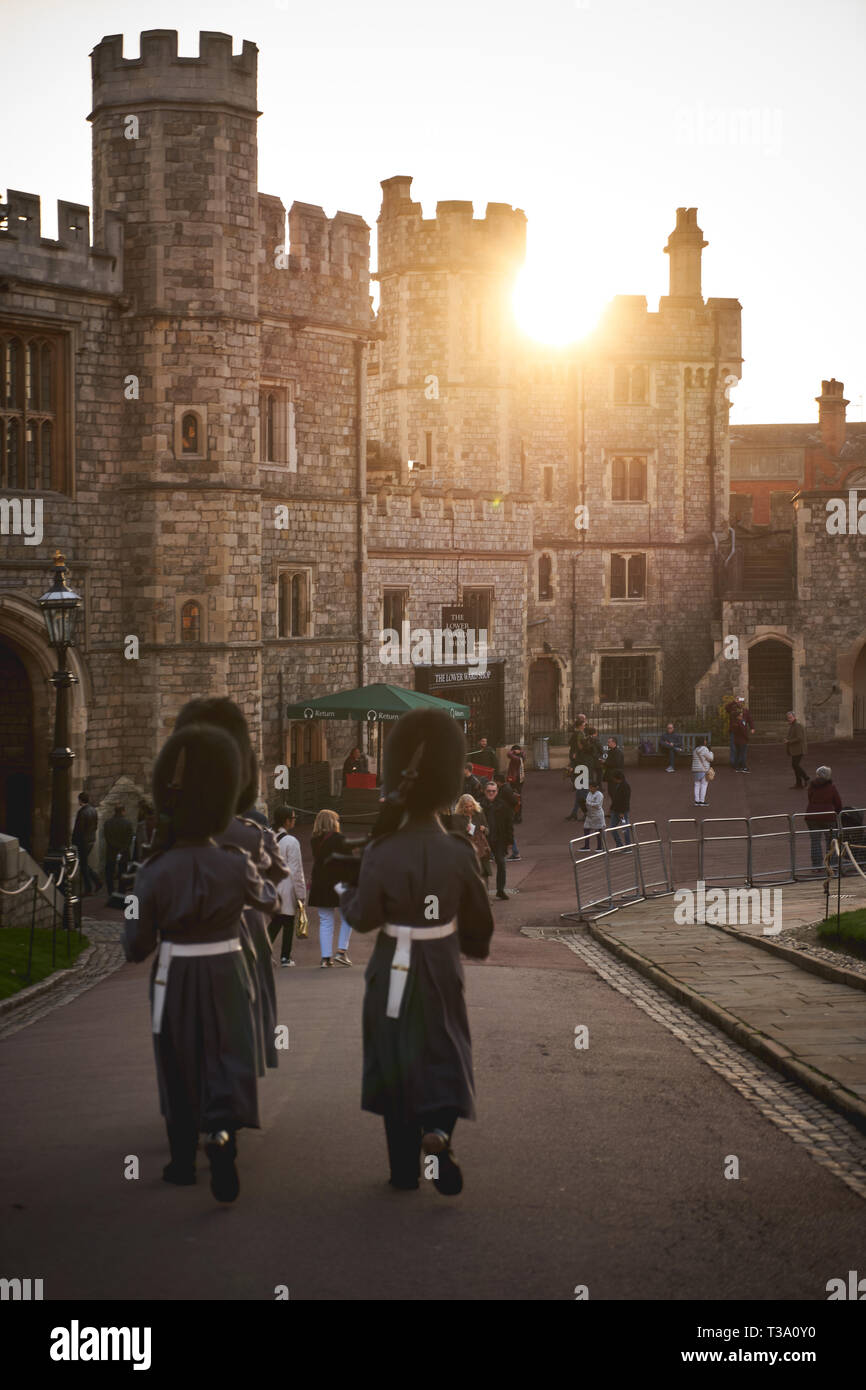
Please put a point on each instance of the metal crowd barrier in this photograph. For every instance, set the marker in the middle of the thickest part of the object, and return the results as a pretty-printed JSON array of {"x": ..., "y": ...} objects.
[{"x": 769, "y": 849}]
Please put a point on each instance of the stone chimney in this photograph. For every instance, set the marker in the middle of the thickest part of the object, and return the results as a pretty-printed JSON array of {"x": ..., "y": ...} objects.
[
  {"x": 684, "y": 247},
  {"x": 831, "y": 415}
]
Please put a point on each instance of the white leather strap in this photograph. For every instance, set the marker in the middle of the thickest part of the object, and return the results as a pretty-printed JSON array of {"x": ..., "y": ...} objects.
[
  {"x": 167, "y": 949},
  {"x": 402, "y": 958}
]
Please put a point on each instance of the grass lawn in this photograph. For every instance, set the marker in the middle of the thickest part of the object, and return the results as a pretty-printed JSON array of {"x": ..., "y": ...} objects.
[
  {"x": 851, "y": 935},
  {"x": 14, "y": 942}
]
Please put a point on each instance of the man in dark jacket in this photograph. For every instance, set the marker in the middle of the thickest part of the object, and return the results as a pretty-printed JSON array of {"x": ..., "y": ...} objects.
[
  {"x": 484, "y": 756},
  {"x": 620, "y": 806},
  {"x": 614, "y": 761},
  {"x": 355, "y": 762},
  {"x": 471, "y": 784},
  {"x": 822, "y": 808},
  {"x": 84, "y": 838},
  {"x": 736, "y": 710},
  {"x": 118, "y": 833},
  {"x": 671, "y": 743},
  {"x": 500, "y": 803}
]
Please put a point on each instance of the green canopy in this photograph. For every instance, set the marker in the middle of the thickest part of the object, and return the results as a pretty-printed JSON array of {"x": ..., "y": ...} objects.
[{"x": 372, "y": 703}]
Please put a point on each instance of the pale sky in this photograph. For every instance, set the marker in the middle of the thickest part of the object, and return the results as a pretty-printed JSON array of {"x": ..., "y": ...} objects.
[{"x": 598, "y": 117}]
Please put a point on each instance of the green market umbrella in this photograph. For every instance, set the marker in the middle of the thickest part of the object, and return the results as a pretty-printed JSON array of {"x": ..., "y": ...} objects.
[{"x": 373, "y": 704}]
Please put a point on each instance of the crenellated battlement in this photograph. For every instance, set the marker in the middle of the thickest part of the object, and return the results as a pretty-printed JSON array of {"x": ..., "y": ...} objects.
[
  {"x": 160, "y": 74},
  {"x": 455, "y": 238},
  {"x": 320, "y": 268},
  {"x": 419, "y": 518},
  {"x": 70, "y": 259}
]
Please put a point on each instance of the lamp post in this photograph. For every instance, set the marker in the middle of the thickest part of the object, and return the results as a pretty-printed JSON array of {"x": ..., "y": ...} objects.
[{"x": 60, "y": 607}]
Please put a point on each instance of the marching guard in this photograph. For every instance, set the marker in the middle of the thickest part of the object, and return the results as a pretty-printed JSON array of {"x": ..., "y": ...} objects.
[{"x": 419, "y": 886}]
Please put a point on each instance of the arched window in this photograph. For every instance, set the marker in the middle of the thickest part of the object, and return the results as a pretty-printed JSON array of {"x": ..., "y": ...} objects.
[
  {"x": 545, "y": 577},
  {"x": 190, "y": 622},
  {"x": 190, "y": 434}
]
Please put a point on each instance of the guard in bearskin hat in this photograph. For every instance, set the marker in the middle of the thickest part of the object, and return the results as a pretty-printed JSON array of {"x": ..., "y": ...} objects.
[
  {"x": 263, "y": 848},
  {"x": 420, "y": 888},
  {"x": 191, "y": 893}
]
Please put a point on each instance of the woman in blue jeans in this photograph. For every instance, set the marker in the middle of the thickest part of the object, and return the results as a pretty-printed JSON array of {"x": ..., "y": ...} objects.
[{"x": 327, "y": 840}]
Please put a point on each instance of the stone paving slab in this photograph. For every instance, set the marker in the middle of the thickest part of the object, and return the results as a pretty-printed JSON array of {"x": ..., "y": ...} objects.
[{"x": 813, "y": 1029}]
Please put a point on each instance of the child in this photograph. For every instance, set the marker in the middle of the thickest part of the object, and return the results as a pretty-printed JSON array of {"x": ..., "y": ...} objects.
[
  {"x": 594, "y": 816},
  {"x": 420, "y": 889},
  {"x": 191, "y": 893}
]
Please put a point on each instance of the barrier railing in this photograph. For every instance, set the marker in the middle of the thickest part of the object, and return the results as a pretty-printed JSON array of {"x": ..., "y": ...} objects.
[{"x": 762, "y": 850}]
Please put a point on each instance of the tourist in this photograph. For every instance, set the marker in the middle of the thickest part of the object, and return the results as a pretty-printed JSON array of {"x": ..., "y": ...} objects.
[
  {"x": 118, "y": 832},
  {"x": 702, "y": 762},
  {"x": 614, "y": 761},
  {"x": 471, "y": 783},
  {"x": 260, "y": 844},
  {"x": 672, "y": 743},
  {"x": 740, "y": 727},
  {"x": 736, "y": 710},
  {"x": 191, "y": 893},
  {"x": 577, "y": 741},
  {"x": 796, "y": 747},
  {"x": 327, "y": 840},
  {"x": 823, "y": 805},
  {"x": 499, "y": 808},
  {"x": 620, "y": 806},
  {"x": 417, "y": 1049},
  {"x": 83, "y": 839},
  {"x": 293, "y": 889},
  {"x": 469, "y": 819},
  {"x": 515, "y": 778},
  {"x": 594, "y": 819}
]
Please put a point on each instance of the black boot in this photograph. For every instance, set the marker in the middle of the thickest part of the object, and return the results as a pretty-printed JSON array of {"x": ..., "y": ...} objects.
[
  {"x": 182, "y": 1142},
  {"x": 404, "y": 1152},
  {"x": 221, "y": 1149}
]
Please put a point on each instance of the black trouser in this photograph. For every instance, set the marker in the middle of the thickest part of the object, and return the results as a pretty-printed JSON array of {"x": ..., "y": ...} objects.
[
  {"x": 90, "y": 881},
  {"x": 801, "y": 777},
  {"x": 112, "y": 866},
  {"x": 499, "y": 852},
  {"x": 404, "y": 1141},
  {"x": 287, "y": 925}
]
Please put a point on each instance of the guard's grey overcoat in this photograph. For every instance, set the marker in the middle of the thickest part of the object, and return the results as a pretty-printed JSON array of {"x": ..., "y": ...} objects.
[
  {"x": 261, "y": 845},
  {"x": 422, "y": 1060},
  {"x": 206, "y": 1048}
]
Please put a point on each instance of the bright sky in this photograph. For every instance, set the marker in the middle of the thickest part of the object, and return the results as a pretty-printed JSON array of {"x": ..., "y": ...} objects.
[{"x": 598, "y": 117}]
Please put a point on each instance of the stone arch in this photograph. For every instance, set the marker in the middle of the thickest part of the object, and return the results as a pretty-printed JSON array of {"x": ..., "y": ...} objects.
[
  {"x": 851, "y": 678},
  {"x": 545, "y": 687},
  {"x": 770, "y": 675},
  {"x": 22, "y": 634}
]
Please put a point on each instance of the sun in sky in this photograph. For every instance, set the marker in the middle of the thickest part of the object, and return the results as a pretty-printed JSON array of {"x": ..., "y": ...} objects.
[{"x": 554, "y": 310}]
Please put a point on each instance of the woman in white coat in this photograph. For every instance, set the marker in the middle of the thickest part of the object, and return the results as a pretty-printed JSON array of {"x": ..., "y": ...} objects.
[
  {"x": 293, "y": 889},
  {"x": 702, "y": 761}
]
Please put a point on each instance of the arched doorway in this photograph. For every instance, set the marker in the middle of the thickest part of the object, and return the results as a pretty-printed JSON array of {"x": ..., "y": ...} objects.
[
  {"x": 771, "y": 680},
  {"x": 16, "y": 741},
  {"x": 860, "y": 692},
  {"x": 544, "y": 683}
]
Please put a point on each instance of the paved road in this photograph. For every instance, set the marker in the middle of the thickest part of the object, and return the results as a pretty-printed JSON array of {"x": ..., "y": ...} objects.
[{"x": 603, "y": 1167}]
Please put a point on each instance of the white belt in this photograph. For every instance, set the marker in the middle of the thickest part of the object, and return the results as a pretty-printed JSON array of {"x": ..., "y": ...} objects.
[
  {"x": 167, "y": 949},
  {"x": 403, "y": 956}
]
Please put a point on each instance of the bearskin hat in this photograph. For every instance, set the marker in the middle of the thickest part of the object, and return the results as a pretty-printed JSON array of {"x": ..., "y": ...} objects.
[
  {"x": 196, "y": 779},
  {"x": 439, "y": 778},
  {"x": 225, "y": 714}
]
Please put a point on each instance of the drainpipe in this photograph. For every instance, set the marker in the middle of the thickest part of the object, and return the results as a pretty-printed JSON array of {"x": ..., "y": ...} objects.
[
  {"x": 711, "y": 459},
  {"x": 581, "y": 479},
  {"x": 360, "y": 347}
]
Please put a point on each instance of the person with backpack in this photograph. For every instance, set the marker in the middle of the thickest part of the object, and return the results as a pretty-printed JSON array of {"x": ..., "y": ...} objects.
[
  {"x": 327, "y": 839},
  {"x": 293, "y": 890}
]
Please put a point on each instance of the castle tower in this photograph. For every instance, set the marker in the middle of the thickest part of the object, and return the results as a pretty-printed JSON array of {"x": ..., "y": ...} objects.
[
  {"x": 444, "y": 386},
  {"x": 174, "y": 153}
]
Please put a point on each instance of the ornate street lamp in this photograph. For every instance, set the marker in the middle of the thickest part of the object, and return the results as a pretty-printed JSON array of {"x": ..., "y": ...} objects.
[{"x": 60, "y": 607}]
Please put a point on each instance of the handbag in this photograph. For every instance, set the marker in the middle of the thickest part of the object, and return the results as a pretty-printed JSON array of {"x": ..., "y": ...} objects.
[
  {"x": 302, "y": 926},
  {"x": 711, "y": 772}
]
